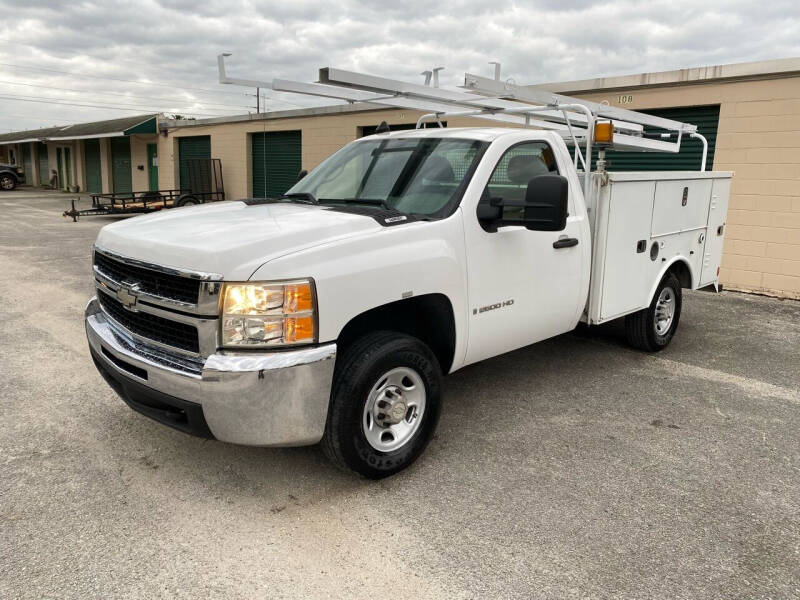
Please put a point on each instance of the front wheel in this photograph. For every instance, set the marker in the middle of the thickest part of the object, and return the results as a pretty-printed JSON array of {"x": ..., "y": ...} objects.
[
  {"x": 385, "y": 404},
  {"x": 652, "y": 328},
  {"x": 7, "y": 182}
]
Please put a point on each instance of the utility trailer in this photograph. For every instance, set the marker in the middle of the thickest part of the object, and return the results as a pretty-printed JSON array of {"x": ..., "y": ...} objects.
[
  {"x": 205, "y": 185},
  {"x": 330, "y": 314}
]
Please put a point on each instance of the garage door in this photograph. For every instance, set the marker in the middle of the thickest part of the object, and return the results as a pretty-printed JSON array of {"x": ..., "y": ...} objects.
[
  {"x": 44, "y": 163},
  {"x": 121, "y": 164},
  {"x": 198, "y": 146},
  {"x": 94, "y": 182},
  {"x": 27, "y": 163},
  {"x": 689, "y": 158},
  {"x": 277, "y": 160}
]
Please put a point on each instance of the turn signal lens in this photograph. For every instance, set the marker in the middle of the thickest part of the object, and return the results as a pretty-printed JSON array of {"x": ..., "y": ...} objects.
[
  {"x": 299, "y": 329},
  {"x": 298, "y": 298}
]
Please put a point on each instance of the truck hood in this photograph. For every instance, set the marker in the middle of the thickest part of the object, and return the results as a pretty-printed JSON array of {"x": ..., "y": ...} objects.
[{"x": 231, "y": 239}]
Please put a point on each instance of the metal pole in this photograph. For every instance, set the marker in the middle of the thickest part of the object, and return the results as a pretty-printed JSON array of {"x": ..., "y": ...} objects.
[
  {"x": 704, "y": 141},
  {"x": 258, "y": 100}
]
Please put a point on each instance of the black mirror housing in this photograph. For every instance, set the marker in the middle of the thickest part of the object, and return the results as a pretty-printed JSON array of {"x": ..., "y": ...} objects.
[{"x": 546, "y": 203}]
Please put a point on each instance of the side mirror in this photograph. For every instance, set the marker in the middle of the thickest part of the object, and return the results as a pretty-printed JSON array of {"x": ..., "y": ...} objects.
[
  {"x": 544, "y": 207},
  {"x": 546, "y": 203},
  {"x": 302, "y": 174}
]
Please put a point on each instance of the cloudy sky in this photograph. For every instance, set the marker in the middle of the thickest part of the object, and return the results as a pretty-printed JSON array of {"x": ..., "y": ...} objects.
[{"x": 67, "y": 62}]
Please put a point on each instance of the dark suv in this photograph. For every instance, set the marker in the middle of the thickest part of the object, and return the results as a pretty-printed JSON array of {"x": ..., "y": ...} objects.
[{"x": 10, "y": 176}]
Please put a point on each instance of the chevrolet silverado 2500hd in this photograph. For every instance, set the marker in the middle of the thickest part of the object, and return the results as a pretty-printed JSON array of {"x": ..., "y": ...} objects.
[{"x": 331, "y": 313}]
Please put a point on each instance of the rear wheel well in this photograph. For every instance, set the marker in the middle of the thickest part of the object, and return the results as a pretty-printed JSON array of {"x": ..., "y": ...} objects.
[
  {"x": 681, "y": 270},
  {"x": 428, "y": 318}
]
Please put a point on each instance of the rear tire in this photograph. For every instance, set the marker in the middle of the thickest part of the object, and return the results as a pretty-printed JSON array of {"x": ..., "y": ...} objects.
[
  {"x": 385, "y": 404},
  {"x": 8, "y": 182},
  {"x": 651, "y": 329}
]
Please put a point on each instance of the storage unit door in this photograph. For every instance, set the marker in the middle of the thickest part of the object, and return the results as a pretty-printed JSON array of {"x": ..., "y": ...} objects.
[
  {"x": 44, "y": 163},
  {"x": 27, "y": 163},
  {"x": 94, "y": 181},
  {"x": 689, "y": 158},
  {"x": 198, "y": 146},
  {"x": 277, "y": 160},
  {"x": 121, "y": 164}
]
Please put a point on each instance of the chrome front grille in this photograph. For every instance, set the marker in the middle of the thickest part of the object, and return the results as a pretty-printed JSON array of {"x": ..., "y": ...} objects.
[
  {"x": 155, "y": 283},
  {"x": 167, "y": 308},
  {"x": 150, "y": 326}
]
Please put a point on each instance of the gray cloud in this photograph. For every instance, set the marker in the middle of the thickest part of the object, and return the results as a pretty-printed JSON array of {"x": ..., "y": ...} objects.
[{"x": 175, "y": 42}]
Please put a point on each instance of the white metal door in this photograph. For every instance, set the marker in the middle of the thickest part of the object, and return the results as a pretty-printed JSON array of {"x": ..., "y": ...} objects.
[
  {"x": 521, "y": 288},
  {"x": 715, "y": 236}
]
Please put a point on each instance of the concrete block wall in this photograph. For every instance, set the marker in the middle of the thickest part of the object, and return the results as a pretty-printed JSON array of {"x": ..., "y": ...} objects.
[{"x": 139, "y": 178}]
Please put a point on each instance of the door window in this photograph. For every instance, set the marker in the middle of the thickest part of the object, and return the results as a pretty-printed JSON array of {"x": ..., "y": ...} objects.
[{"x": 516, "y": 168}]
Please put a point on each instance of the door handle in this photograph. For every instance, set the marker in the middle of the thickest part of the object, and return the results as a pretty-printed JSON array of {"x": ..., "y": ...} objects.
[{"x": 565, "y": 243}]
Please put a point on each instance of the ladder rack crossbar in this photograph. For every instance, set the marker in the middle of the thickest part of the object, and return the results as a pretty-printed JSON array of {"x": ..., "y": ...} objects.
[{"x": 493, "y": 88}]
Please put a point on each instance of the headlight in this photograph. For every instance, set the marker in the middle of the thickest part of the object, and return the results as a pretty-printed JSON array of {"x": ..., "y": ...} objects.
[
  {"x": 20, "y": 170},
  {"x": 269, "y": 313}
]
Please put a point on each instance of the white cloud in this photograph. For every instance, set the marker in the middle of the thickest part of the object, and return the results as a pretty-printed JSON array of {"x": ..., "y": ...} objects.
[{"x": 175, "y": 42}]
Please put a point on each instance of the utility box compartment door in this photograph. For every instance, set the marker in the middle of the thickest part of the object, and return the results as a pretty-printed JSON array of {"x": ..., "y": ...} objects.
[
  {"x": 621, "y": 270},
  {"x": 680, "y": 205},
  {"x": 715, "y": 235}
]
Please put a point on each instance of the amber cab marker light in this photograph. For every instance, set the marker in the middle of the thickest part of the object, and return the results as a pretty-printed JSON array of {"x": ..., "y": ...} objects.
[{"x": 604, "y": 132}]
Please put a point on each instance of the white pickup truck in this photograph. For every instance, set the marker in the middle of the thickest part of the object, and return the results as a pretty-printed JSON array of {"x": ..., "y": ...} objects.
[{"x": 332, "y": 313}]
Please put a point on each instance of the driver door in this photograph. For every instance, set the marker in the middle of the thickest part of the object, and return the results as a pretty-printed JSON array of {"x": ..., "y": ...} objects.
[{"x": 521, "y": 288}]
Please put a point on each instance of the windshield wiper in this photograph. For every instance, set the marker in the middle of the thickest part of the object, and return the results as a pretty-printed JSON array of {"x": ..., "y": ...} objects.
[
  {"x": 304, "y": 197},
  {"x": 365, "y": 201}
]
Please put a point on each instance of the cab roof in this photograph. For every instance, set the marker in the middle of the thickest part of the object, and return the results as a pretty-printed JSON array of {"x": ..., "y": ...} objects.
[{"x": 485, "y": 134}]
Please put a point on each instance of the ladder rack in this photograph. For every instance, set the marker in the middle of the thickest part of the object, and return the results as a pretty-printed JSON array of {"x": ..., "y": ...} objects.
[{"x": 573, "y": 119}]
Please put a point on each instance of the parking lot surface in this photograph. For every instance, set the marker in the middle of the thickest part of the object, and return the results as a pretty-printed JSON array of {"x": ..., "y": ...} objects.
[{"x": 575, "y": 468}]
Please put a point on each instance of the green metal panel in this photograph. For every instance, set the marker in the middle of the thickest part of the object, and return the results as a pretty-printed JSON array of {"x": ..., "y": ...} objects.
[
  {"x": 44, "y": 163},
  {"x": 94, "y": 180},
  {"x": 59, "y": 152},
  {"x": 198, "y": 146},
  {"x": 121, "y": 164},
  {"x": 152, "y": 166},
  {"x": 64, "y": 168},
  {"x": 148, "y": 126},
  {"x": 277, "y": 160},
  {"x": 27, "y": 163},
  {"x": 688, "y": 159}
]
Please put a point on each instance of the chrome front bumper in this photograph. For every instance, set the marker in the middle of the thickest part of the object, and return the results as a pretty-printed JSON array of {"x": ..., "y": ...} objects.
[{"x": 266, "y": 399}]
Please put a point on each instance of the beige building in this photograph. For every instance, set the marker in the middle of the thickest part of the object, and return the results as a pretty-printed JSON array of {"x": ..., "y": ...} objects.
[
  {"x": 115, "y": 155},
  {"x": 749, "y": 112}
]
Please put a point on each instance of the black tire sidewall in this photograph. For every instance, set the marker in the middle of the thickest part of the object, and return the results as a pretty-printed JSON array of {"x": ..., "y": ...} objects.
[
  {"x": 351, "y": 392},
  {"x": 661, "y": 341},
  {"x": 187, "y": 202}
]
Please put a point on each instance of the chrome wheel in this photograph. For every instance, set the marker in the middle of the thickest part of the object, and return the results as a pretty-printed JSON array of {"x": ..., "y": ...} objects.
[
  {"x": 7, "y": 183},
  {"x": 665, "y": 310},
  {"x": 394, "y": 408}
]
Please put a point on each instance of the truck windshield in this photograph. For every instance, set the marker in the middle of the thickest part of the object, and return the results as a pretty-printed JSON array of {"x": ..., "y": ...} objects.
[{"x": 421, "y": 176}]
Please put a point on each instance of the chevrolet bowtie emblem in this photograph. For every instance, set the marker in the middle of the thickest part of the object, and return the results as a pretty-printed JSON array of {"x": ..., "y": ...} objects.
[{"x": 127, "y": 295}]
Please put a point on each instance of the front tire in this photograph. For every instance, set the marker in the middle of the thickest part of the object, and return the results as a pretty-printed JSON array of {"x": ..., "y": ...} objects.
[
  {"x": 7, "y": 182},
  {"x": 651, "y": 329},
  {"x": 385, "y": 404}
]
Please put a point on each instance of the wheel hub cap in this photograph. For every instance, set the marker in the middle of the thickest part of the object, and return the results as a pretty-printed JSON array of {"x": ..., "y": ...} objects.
[
  {"x": 665, "y": 311},
  {"x": 394, "y": 408}
]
